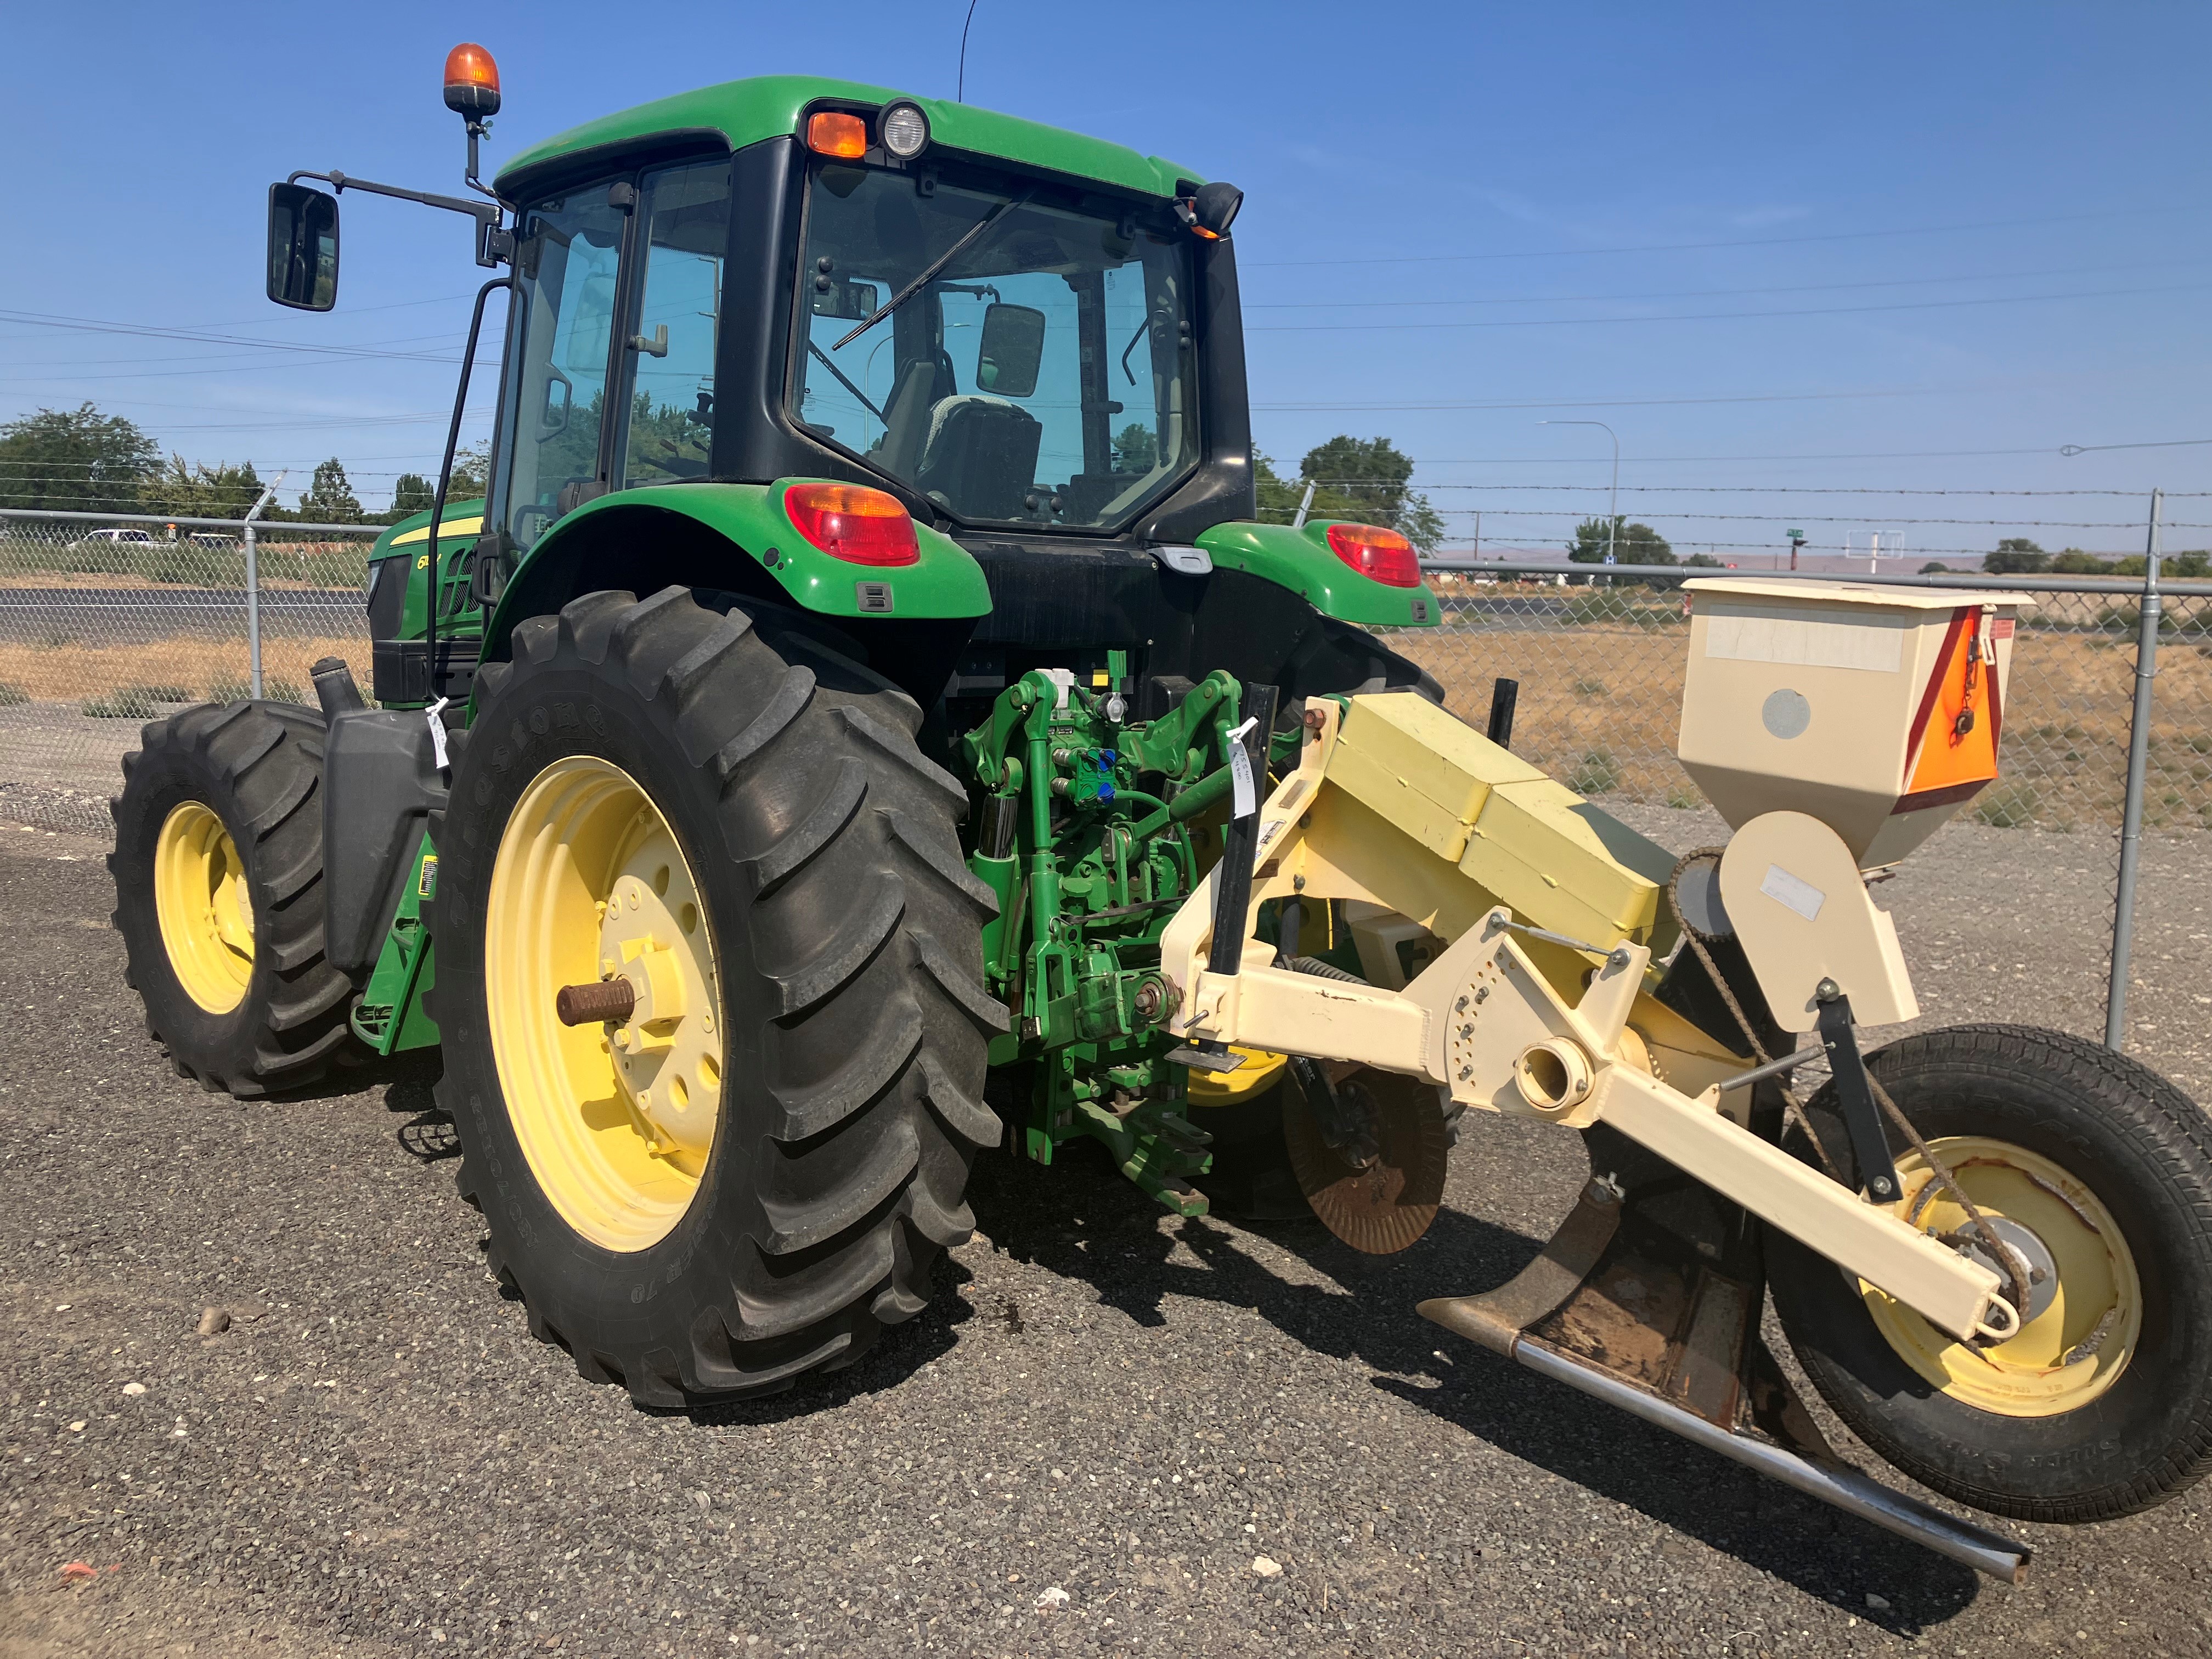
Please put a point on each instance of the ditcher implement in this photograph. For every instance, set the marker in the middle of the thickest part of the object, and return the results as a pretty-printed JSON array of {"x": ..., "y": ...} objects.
[{"x": 862, "y": 722}]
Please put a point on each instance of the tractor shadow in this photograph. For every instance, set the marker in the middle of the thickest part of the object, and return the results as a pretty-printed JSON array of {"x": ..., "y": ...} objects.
[
  {"x": 1366, "y": 1315},
  {"x": 428, "y": 1136}
]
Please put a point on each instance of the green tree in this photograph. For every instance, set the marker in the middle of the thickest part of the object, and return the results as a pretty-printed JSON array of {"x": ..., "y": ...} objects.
[
  {"x": 201, "y": 491},
  {"x": 2198, "y": 563},
  {"x": 1935, "y": 567},
  {"x": 1365, "y": 480},
  {"x": 2075, "y": 562},
  {"x": 412, "y": 493},
  {"x": 1633, "y": 543},
  {"x": 2016, "y": 556},
  {"x": 74, "y": 460},
  {"x": 1703, "y": 561},
  {"x": 1136, "y": 449},
  {"x": 330, "y": 498}
]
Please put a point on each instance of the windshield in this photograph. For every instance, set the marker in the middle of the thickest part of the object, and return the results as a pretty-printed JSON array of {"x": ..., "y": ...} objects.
[{"x": 1044, "y": 376}]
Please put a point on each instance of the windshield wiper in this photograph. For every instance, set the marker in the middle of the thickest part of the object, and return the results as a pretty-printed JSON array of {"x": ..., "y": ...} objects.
[
  {"x": 936, "y": 265},
  {"x": 823, "y": 357}
]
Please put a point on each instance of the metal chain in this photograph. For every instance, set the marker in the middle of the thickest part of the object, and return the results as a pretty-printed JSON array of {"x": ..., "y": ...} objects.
[{"x": 1794, "y": 1110}]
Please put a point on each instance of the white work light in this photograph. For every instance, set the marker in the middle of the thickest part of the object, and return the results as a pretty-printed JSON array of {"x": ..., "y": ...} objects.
[{"x": 903, "y": 129}]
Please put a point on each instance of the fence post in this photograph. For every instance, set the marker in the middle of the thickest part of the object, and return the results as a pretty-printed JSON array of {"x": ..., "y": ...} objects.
[
  {"x": 253, "y": 592},
  {"x": 2123, "y": 904}
]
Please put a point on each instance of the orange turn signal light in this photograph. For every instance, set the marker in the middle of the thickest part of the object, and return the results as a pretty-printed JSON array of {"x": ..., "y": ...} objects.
[
  {"x": 852, "y": 522},
  {"x": 832, "y": 132},
  {"x": 1373, "y": 551},
  {"x": 472, "y": 82}
]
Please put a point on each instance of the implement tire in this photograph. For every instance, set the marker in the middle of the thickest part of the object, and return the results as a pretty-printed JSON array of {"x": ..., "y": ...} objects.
[
  {"x": 2098, "y": 1171},
  {"x": 218, "y": 868},
  {"x": 752, "y": 1183}
]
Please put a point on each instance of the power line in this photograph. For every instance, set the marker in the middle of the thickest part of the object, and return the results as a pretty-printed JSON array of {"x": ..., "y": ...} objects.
[
  {"x": 1760, "y": 242},
  {"x": 1706, "y": 293},
  {"x": 1721, "y": 316}
]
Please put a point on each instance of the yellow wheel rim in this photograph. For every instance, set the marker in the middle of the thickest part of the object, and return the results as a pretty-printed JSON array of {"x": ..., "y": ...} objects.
[
  {"x": 205, "y": 911},
  {"x": 2086, "y": 1325},
  {"x": 614, "y": 1120}
]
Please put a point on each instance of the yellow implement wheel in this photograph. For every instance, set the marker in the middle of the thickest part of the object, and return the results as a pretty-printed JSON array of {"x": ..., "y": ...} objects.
[
  {"x": 205, "y": 911},
  {"x": 2084, "y": 1315},
  {"x": 616, "y": 1119}
]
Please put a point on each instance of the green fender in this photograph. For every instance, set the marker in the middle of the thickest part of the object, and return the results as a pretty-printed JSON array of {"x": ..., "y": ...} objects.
[
  {"x": 944, "y": 584},
  {"x": 1301, "y": 561}
]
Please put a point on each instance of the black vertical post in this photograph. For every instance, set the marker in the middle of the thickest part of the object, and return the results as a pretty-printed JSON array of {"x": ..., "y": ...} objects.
[{"x": 1503, "y": 694}]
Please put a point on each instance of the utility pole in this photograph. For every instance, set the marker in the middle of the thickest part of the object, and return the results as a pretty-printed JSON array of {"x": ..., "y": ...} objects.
[{"x": 1796, "y": 541}]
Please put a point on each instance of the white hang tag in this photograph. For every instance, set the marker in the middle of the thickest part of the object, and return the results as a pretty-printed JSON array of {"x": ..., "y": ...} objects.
[
  {"x": 438, "y": 733},
  {"x": 1246, "y": 797}
]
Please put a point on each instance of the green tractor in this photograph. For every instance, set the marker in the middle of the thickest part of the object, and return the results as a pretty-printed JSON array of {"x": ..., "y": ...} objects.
[{"x": 865, "y": 721}]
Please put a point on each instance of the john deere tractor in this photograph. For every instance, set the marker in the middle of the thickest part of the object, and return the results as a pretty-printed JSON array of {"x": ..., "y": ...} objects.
[{"x": 865, "y": 723}]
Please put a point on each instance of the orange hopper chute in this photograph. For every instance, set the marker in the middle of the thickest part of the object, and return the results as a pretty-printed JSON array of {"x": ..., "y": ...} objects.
[{"x": 1953, "y": 746}]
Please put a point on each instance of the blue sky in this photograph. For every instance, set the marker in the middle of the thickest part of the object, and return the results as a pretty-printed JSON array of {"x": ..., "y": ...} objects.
[{"x": 1969, "y": 233}]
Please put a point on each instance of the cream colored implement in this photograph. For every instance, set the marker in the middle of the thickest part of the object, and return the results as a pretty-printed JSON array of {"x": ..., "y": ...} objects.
[{"x": 1503, "y": 1019}]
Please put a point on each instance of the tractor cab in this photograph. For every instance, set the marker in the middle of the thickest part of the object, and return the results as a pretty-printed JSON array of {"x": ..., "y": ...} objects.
[{"x": 1019, "y": 349}]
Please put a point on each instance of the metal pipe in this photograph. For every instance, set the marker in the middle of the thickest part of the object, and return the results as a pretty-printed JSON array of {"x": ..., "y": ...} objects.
[
  {"x": 1834, "y": 1483},
  {"x": 197, "y": 524},
  {"x": 2123, "y": 901},
  {"x": 1789, "y": 1062},
  {"x": 1677, "y": 574},
  {"x": 253, "y": 590},
  {"x": 435, "y": 591}
]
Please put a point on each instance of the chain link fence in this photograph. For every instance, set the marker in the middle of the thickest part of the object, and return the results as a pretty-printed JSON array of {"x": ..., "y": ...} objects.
[
  {"x": 1600, "y": 666},
  {"x": 106, "y": 623}
]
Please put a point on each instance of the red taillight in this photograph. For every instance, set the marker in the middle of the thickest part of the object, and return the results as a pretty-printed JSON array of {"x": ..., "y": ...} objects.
[
  {"x": 1374, "y": 551},
  {"x": 853, "y": 523}
]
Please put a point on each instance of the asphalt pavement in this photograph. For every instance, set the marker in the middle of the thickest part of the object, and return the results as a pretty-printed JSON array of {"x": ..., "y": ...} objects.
[{"x": 1101, "y": 1433}]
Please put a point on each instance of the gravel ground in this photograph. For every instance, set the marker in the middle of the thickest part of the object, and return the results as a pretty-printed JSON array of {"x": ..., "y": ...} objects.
[{"x": 1083, "y": 1444}]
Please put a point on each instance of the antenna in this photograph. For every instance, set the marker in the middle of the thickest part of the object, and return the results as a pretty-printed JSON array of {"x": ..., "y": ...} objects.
[{"x": 961, "y": 96}]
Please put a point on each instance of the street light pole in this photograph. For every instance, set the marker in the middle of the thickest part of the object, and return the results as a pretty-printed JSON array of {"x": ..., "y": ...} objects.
[{"x": 1613, "y": 501}]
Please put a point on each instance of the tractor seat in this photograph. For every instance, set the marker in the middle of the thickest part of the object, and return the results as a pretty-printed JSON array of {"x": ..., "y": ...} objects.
[{"x": 981, "y": 456}]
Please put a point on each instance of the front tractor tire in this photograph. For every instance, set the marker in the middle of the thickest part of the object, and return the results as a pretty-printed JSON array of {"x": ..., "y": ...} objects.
[
  {"x": 218, "y": 865},
  {"x": 750, "y": 1172}
]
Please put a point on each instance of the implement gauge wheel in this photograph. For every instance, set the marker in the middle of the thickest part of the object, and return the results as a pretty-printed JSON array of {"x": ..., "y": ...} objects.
[
  {"x": 2097, "y": 1173},
  {"x": 218, "y": 865},
  {"x": 742, "y": 1162}
]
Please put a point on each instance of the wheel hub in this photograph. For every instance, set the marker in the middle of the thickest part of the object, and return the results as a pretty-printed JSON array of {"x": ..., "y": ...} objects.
[
  {"x": 616, "y": 1116},
  {"x": 667, "y": 1060},
  {"x": 2084, "y": 1313},
  {"x": 204, "y": 906},
  {"x": 2030, "y": 1254}
]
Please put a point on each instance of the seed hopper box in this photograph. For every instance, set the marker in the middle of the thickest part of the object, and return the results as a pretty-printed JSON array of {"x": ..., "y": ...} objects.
[{"x": 1877, "y": 710}]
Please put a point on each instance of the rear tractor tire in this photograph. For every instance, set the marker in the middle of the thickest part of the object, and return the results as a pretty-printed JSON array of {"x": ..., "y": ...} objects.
[
  {"x": 748, "y": 1169},
  {"x": 218, "y": 865},
  {"x": 2097, "y": 1173}
]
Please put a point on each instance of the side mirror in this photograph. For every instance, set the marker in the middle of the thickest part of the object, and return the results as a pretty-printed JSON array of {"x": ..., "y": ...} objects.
[
  {"x": 303, "y": 247},
  {"x": 846, "y": 301},
  {"x": 1215, "y": 206},
  {"x": 1012, "y": 351}
]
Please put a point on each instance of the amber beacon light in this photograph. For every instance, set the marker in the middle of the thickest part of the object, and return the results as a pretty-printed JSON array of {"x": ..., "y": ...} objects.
[{"x": 471, "y": 83}]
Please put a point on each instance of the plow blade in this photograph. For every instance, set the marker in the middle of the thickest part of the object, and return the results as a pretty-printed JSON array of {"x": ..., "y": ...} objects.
[{"x": 1648, "y": 1298}]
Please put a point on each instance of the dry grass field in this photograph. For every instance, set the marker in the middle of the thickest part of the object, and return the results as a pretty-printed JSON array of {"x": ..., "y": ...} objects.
[
  {"x": 1601, "y": 686},
  {"x": 195, "y": 668}
]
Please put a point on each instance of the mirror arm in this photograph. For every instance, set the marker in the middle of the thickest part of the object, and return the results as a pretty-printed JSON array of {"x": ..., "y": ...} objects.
[{"x": 495, "y": 244}]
